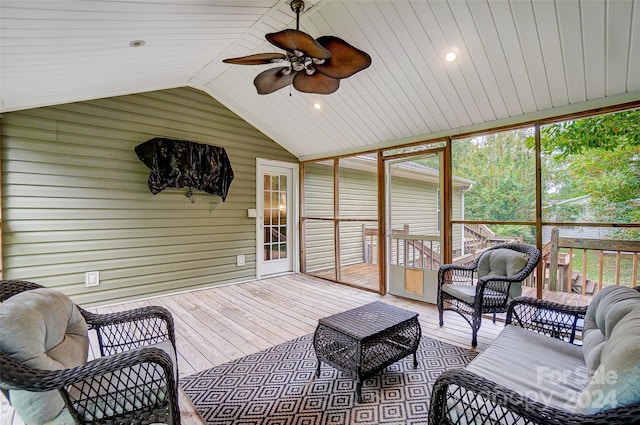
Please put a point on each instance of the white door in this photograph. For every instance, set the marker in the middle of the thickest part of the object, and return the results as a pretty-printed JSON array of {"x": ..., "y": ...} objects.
[{"x": 277, "y": 217}]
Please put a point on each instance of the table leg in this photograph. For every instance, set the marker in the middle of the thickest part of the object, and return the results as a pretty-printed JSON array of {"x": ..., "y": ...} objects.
[
  {"x": 415, "y": 360},
  {"x": 359, "y": 391},
  {"x": 318, "y": 369}
]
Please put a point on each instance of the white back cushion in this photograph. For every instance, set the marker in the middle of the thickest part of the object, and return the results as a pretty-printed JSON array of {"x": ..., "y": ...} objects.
[{"x": 43, "y": 329}]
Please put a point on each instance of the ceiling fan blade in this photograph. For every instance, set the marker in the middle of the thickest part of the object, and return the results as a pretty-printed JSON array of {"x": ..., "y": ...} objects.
[
  {"x": 257, "y": 59},
  {"x": 316, "y": 83},
  {"x": 291, "y": 40},
  {"x": 273, "y": 79},
  {"x": 345, "y": 59}
]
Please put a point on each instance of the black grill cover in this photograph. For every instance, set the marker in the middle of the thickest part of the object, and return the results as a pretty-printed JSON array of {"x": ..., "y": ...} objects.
[{"x": 182, "y": 163}]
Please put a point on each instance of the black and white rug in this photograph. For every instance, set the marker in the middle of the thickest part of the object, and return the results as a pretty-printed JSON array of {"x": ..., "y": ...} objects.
[{"x": 278, "y": 386}]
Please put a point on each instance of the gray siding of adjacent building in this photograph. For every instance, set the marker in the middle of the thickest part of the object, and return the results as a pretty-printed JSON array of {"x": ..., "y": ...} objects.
[
  {"x": 318, "y": 202},
  {"x": 413, "y": 203},
  {"x": 75, "y": 197}
]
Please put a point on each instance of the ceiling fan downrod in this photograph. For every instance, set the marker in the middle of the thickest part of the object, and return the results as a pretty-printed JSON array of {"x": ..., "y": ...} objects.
[{"x": 298, "y": 7}]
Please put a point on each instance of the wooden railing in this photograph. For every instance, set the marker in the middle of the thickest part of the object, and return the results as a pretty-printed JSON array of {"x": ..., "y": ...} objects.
[
  {"x": 478, "y": 237},
  {"x": 370, "y": 242},
  {"x": 416, "y": 251},
  {"x": 558, "y": 258}
]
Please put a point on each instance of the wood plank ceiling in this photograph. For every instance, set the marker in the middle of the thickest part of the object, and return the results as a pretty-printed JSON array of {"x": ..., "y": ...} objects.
[{"x": 516, "y": 60}]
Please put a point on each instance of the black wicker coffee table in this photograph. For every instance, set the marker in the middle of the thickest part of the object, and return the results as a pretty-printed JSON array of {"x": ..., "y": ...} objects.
[{"x": 363, "y": 341}]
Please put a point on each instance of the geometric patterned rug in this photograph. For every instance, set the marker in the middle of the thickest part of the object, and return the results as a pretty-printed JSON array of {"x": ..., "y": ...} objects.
[{"x": 278, "y": 386}]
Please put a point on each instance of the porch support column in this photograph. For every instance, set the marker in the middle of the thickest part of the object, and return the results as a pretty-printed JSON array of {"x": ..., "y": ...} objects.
[
  {"x": 540, "y": 268},
  {"x": 447, "y": 206},
  {"x": 336, "y": 217},
  {"x": 382, "y": 237}
]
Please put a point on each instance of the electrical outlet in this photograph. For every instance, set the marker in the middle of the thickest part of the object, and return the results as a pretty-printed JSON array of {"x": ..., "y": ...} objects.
[
  {"x": 240, "y": 260},
  {"x": 92, "y": 278}
]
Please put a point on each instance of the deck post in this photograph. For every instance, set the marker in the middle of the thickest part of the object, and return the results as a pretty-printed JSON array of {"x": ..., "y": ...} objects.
[{"x": 553, "y": 260}]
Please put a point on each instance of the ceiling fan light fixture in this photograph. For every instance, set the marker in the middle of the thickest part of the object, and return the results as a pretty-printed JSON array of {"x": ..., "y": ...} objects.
[{"x": 325, "y": 60}]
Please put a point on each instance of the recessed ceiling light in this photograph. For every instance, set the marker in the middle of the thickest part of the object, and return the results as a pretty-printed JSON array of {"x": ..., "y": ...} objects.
[
  {"x": 450, "y": 57},
  {"x": 137, "y": 43},
  {"x": 317, "y": 106}
]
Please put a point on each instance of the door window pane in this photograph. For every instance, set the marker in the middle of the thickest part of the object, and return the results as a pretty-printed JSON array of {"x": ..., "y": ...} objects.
[{"x": 275, "y": 213}]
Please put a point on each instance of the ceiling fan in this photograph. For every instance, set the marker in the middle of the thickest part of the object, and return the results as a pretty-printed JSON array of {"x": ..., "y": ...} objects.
[{"x": 313, "y": 66}]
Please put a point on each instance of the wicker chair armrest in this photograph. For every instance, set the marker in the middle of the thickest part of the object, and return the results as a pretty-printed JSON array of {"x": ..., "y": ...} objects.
[
  {"x": 456, "y": 274},
  {"x": 455, "y": 267},
  {"x": 124, "y": 387},
  {"x": 548, "y": 305},
  {"x": 9, "y": 288},
  {"x": 18, "y": 376},
  {"x": 461, "y": 397},
  {"x": 560, "y": 321},
  {"x": 102, "y": 319},
  {"x": 127, "y": 330},
  {"x": 499, "y": 285}
]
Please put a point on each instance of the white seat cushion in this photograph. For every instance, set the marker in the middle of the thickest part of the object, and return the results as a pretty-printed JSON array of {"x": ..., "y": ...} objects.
[{"x": 544, "y": 369}]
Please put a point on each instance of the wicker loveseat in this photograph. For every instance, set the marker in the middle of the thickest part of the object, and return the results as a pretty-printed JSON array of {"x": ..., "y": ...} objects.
[
  {"x": 45, "y": 375},
  {"x": 552, "y": 364}
]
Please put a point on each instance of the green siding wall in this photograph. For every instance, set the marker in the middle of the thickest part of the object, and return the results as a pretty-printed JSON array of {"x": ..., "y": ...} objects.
[{"x": 75, "y": 197}]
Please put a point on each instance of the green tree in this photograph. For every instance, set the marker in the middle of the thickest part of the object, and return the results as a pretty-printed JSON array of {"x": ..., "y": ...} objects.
[
  {"x": 503, "y": 171},
  {"x": 600, "y": 157},
  {"x": 608, "y": 132}
]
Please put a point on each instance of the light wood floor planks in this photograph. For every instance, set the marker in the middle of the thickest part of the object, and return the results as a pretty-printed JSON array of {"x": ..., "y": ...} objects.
[{"x": 224, "y": 323}]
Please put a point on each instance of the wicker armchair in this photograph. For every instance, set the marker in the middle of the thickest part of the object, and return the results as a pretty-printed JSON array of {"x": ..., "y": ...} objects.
[
  {"x": 130, "y": 383},
  {"x": 475, "y": 289},
  {"x": 460, "y": 396}
]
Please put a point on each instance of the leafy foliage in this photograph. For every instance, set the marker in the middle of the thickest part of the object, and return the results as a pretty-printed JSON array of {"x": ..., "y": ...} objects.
[
  {"x": 601, "y": 133},
  {"x": 503, "y": 171},
  {"x": 599, "y": 157}
]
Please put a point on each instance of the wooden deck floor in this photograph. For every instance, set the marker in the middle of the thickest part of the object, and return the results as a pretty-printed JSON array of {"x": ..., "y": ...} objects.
[
  {"x": 366, "y": 276},
  {"x": 362, "y": 275},
  {"x": 224, "y": 323}
]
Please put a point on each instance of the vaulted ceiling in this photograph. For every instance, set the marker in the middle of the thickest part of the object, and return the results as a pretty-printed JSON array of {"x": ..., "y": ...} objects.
[{"x": 517, "y": 60}]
